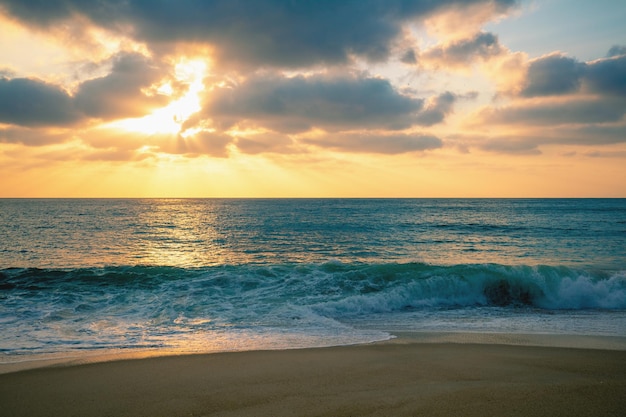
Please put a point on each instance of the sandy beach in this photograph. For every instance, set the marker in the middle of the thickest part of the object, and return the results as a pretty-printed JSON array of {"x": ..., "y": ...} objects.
[{"x": 396, "y": 378}]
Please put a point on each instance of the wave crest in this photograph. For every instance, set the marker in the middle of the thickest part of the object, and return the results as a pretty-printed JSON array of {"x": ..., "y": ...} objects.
[{"x": 349, "y": 288}]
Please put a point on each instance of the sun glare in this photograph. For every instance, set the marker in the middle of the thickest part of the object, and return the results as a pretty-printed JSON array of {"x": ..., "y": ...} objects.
[{"x": 170, "y": 118}]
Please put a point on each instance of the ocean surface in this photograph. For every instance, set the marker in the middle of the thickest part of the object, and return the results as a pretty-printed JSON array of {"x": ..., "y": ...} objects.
[{"x": 184, "y": 275}]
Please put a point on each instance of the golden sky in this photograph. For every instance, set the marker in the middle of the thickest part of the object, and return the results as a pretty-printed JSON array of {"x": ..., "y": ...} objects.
[{"x": 269, "y": 98}]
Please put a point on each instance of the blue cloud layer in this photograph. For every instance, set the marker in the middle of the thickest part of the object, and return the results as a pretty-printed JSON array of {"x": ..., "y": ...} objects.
[{"x": 283, "y": 33}]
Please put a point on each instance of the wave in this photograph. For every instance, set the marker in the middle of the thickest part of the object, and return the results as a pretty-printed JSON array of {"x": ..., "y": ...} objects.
[
  {"x": 549, "y": 288},
  {"x": 334, "y": 288},
  {"x": 294, "y": 305}
]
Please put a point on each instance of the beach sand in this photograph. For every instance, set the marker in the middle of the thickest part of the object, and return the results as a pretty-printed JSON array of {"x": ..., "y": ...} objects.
[{"x": 396, "y": 378}]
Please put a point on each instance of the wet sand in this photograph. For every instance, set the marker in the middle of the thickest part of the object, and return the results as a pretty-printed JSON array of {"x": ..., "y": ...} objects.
[{"x": 396, "y": 378}]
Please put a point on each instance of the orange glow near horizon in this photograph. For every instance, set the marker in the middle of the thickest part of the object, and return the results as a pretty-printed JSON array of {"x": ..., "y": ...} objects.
[{"x": 336, "y": 175}]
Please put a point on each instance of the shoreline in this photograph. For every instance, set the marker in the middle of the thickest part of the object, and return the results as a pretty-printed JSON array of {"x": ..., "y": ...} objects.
[
  {"x": 63, "y": 359},
  {"x": 597, "y": 342},
  {"x": 401, "y": 377}
]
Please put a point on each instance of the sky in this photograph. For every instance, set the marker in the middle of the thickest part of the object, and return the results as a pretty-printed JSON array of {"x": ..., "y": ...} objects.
[{"x": 297, "y": 98}]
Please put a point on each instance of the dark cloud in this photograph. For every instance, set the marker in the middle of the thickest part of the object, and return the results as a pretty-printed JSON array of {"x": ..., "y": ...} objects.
[
  {"x": 437, "y": 110},
  {"x": 557, "y": 74},
  {"x": 553, "y": 75},
  {"x": 297, "y": 104},
  {"x": 40, "y": 12},
  {"x": 573, "y": 111},
  {"x": 377, "y": 143},
  {"x": 264, "y": 32},
  {"x": 119, "y": 94},
  {"x": 30, "y": 102},
  {"x": 481, "y": 45},
  {"x": 409, "y": 57},
  {"x": 616, "y": 50},
  {"x": 569, "y": 94},
  {"x": 607, "y": 76},
  {"x": 597, "y": 134}
]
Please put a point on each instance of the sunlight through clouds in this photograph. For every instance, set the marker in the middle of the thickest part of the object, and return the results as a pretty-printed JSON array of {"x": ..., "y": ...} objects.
[
  {"x": 169, "y": 119},
  {"x": 427, "y": 90}
]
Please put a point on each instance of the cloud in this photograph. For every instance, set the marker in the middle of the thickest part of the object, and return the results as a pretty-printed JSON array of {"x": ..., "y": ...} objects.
[
  {"x": 264, "y": 143},
  {"x": 553, "y": 75},
  {"x": 512, "y": 146},
  {"x": 297, "y": 104},
  {"x": 437, "y": 109},
  {"x": 563, "y": 101},
  {"x": 409, "y": 57},
  {"x": 616, "y": 50},
  {"x": 30, "y": 102},
  {"x": 607, "y": 76},
  {"x": 119, "y": 94},
  {"x": 481, "y": 46},
  {"x": 596, "y": 134},
  {"x": 609, "y": 154},
  {"x": 552, "y": 112},
  {"x": 529, "y": 142},
  {"x": 261, "y": 33},
  {"x": 557, "y": 74},
  {"x": 31, "y": 137},
  {"x": 461, "y": 22},
  {"x": 377, "y": 143},
  {"x": 42, "y": 13},
  {"x": 7, "y": 73}
]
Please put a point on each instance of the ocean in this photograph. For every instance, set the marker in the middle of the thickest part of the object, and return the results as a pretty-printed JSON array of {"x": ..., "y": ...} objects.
[{"x": 83, "y": 276}]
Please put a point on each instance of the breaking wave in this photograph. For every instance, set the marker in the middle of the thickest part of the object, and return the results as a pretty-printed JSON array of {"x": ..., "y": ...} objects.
[
  {"x": 360, "y": 288},
  {"x": 294, "y": 305}
]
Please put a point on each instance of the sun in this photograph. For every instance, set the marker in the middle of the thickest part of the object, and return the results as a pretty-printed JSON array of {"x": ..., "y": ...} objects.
[{"x": 169, "y": 119}]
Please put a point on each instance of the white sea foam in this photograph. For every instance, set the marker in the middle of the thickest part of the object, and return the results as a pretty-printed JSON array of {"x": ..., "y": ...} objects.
[{"x": 297, "y": 305}]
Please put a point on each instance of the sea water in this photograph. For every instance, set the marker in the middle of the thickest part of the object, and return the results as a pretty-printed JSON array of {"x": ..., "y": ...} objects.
[{"x": 185, "y": 275}]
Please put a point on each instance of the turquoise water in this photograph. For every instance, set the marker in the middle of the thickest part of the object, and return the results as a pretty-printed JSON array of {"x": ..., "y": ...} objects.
[{"x": 208, "y": 275}]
